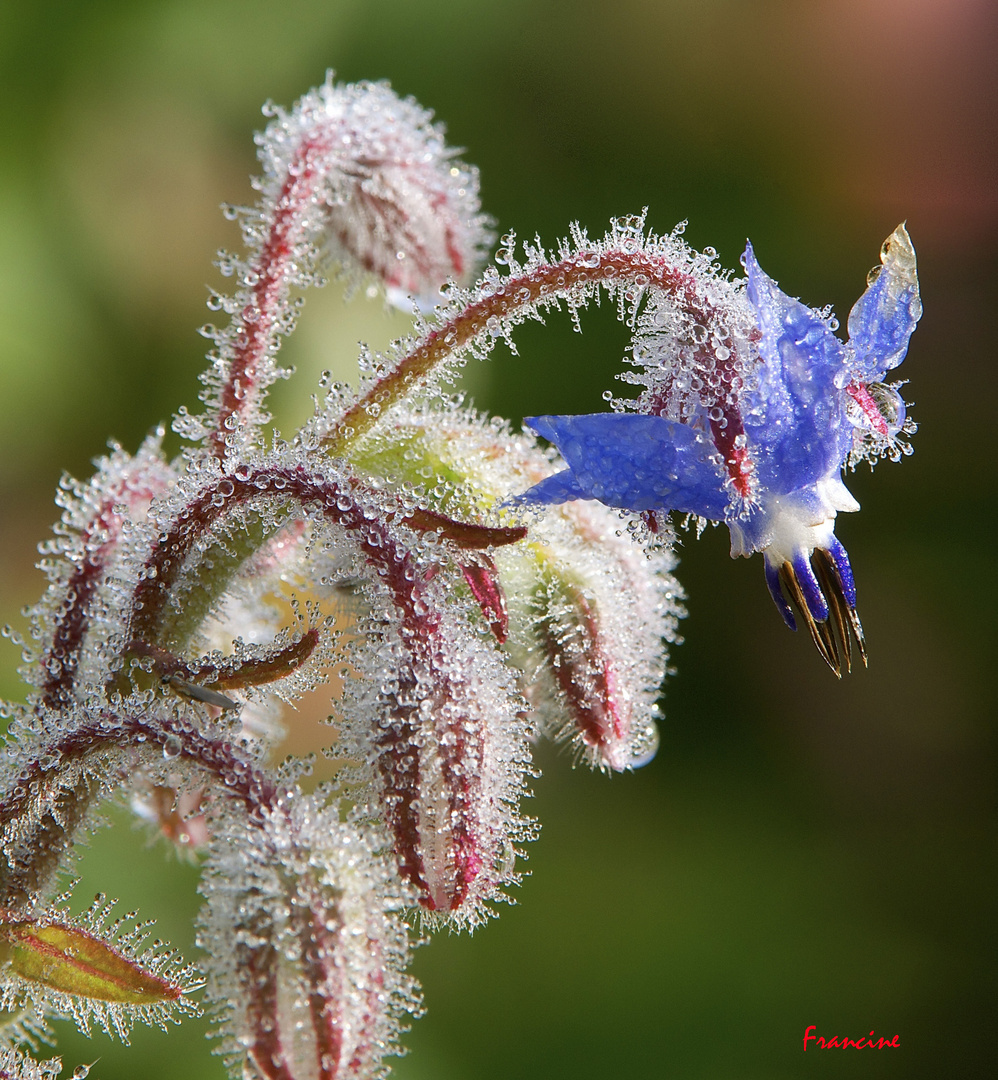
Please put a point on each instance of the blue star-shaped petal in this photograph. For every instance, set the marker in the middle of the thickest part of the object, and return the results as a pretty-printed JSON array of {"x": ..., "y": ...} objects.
[{"x": 799, "y": 406}]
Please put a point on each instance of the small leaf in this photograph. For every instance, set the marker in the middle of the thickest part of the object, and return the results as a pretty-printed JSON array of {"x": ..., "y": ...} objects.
[
  {"x": 71, "y": 960},
  {"x": 82, "y": 967}
]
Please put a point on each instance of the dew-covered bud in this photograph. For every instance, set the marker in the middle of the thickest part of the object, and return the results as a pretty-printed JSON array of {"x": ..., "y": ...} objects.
[
  {"x": 600, "y": 614},
  {"x": 395, "y": 200},
  {"x": 586, "y": 606},
  {"x": 80, "y": 610},
  {"x": 451, "y": 754},
  {"x": 357, "y": 176},
  {"x": 307, "y": 947}
]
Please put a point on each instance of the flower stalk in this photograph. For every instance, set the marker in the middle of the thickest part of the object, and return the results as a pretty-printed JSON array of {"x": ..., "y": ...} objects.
[{"x": 469, "y": 588}]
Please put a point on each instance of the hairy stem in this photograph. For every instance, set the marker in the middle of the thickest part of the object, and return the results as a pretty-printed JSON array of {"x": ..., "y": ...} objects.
[
  {"x": 515, "y": 296},
  {"x": 255, "y": 331},
  {"x": 62, "y": 658},
  {"x": 44, "y": 810},
  {"x": 158, "y": 623}
]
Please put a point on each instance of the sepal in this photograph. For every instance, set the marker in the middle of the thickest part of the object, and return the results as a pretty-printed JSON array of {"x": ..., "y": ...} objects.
[{"x": 92, "y": 971}]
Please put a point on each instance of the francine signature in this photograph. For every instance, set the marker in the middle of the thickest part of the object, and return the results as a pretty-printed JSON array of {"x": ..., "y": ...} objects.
[{"x": 863, "y": 1043}]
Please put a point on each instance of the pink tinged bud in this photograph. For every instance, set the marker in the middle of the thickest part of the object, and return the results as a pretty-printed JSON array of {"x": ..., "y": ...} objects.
[
  {"x": 602, "y": 613},
  {"x": 449, "y": 749},
  {"x": 398, "y": 204},
  {"x": 585, "y": 675},
  {"x": 94, "y": 522},
  {"x": 452, "y": 754},
  {"x": 583, "y": 663},
  {"x": 309, "y": 951},
  {"x": 364, "y": 176}
]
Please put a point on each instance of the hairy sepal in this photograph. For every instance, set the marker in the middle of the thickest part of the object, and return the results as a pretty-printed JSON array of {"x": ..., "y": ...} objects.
[
  {"x": 92, "y": 970},
  {"x": 308, "y": 947},
  {"x": 75, "y": 623}
]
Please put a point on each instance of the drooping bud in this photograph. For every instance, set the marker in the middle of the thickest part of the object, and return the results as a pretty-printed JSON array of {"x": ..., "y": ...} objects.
[
  {"x": 308, "y": 949},
  {"x": 451, "y": 754},
  {"x": 357, "y": 175},
  {"x": 395, "y": 200},
  {"x": 589, "y": 609},
  {"x": 595, "y": 626}
]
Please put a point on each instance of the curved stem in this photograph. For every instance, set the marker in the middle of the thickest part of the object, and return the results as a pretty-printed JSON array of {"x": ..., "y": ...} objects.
[
  {"x": 66, "y": 772},
  {"x": 255, "y": 330},
  {"x": 340, "y": 501},
  {"x": 62, "y": 657},
  {"x": 516, "y": 295}
]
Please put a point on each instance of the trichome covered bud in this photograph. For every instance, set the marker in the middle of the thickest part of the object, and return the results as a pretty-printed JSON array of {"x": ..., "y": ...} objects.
[
  {"x": 303, "y": 917},
  {"x": 461, "y": 582}
]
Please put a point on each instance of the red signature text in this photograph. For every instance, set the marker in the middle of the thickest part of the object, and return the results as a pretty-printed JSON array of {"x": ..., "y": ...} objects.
[{"x": 864, "y": 1043}]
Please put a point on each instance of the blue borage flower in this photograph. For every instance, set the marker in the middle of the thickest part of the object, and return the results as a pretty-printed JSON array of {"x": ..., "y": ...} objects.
[{"x": 799, "y": 405}]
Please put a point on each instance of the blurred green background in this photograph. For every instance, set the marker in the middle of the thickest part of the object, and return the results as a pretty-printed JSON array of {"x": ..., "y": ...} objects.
[{"x": 801, "y": 851}]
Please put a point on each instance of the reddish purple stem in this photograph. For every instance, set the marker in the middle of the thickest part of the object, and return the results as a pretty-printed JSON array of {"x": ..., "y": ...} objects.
[
  {"x": 62, "y": 658},
  {"x": 549, "y": 282},
  {"x": 255, "y": 326}
]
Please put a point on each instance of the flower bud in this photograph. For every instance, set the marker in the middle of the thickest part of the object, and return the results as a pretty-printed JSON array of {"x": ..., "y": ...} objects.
[
  {"x": 308, "y": 950},
  {"x": 451, "y": 755},
  {"x": 396, "y": 202},
  {"x": 586, "y": 609}
]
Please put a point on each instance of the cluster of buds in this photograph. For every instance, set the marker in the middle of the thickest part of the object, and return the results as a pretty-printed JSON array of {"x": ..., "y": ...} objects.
[{"x": 469, "y": 588}]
